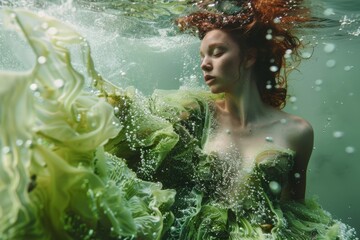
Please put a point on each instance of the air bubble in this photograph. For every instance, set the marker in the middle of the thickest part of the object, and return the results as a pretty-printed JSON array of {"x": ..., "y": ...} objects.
[
  {"x": 269, "y": 139},
  {"x": 33, "y": 86},
  {"x": 52, "y": 31},
  {"x": 297, "y": 175},
  {"x": 329, "y": 11},
  {"x": 41, "y": 59},
  {"x": 318, "y": 82},
  {"x": 29, "y": 144},
  {"x": 288, "y": 53},
  {"x": 292, "y": 99},
  {"x": 45, "y": 25},
  {"x": 338, "y": 134},
  {"x": 306, "y": 54},
  {"x": 268, "y": 36},
  {"x": 59, "y": 83},
  {"x": 329, "y": 47},
  {"x": 331, "y": 63},
  {"x": 6, "y": 150},
  {"x": 274, "y": 68},
  {"x": 275, "y": 187},
  {"x": 348, "y": 68},
  {"x": 349, "y": 149},
  {"x": 277, "y": 20},
  {"x": 19, "y": 142},
  {"x": 116, "y": 110}
]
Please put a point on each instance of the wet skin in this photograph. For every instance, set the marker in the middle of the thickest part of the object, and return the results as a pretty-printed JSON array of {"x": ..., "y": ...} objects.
[{"x": 243, "y": 120}]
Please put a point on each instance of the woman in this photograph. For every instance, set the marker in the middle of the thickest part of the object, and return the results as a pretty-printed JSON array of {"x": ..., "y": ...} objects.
[
  {"x": 236, "y": 161},
  {"x": 239, "y": 162}
]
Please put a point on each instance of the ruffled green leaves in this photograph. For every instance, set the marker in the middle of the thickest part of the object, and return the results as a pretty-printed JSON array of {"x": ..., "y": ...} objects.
[{"x": 55, "y": 179}]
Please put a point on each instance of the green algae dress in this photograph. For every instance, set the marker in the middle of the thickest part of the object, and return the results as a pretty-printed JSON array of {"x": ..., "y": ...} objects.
[
  {"x": 216, "y": 198},
  {"x": 76, "y": 168}
]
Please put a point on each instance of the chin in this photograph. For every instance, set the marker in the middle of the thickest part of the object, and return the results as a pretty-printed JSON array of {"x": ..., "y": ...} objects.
[{"x": 215, "y": 90}]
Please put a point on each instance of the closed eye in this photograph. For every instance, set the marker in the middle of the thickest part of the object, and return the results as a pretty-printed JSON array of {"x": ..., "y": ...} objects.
[
  {"x": 218, "y": 54},
  {"x": 218, "y": 51}
]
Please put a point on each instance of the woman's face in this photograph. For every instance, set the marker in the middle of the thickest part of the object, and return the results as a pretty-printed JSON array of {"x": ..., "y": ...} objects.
[{"x": 220, "y": 62}]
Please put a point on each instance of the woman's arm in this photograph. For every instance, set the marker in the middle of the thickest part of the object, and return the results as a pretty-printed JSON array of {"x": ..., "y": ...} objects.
[{"x": 301, "y": 140}]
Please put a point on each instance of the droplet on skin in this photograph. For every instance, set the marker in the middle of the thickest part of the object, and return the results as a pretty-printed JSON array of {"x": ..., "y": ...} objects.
[
  {"x": 116, "y": 110},
  {"x": 41, "y": 59},
  {"x": 227, "y": 131},
  {"x": 349, "y": 149},
  {"x": 297, "y": 175},
  {"x": 283, "y": 121},
  {"x": 338, "y": 134},
  {"x": 329, "y": 47},
  {"x": 275, "y": 187}
]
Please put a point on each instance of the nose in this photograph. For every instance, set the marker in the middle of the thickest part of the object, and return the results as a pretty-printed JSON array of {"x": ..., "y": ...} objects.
[{"x": 206, "y": 64}]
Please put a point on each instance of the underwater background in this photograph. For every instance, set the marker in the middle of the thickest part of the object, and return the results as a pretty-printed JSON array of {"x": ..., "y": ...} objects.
[{"x": 135, "y": 43}]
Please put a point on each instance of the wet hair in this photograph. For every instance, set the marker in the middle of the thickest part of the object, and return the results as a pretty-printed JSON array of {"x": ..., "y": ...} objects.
[{"x": 265, "y": 25}]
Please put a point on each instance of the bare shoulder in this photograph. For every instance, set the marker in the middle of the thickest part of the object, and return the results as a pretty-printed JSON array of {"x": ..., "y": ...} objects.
[
  {"x": 299, "y": 137},
  {"x": 300, "y": 133}
]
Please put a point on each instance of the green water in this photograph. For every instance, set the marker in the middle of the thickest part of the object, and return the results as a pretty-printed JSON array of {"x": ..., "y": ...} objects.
[{"x": 146, "y": 51}]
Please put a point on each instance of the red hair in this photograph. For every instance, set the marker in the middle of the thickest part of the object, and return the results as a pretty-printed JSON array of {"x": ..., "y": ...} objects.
[{"x": 267, "y": 26}]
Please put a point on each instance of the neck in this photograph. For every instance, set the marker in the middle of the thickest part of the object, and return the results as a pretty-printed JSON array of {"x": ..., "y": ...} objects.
[{"x": 244, "y": 104}]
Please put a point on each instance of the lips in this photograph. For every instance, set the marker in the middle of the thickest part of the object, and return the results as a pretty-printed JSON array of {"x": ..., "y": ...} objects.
[{"x": 208, "y": 78}]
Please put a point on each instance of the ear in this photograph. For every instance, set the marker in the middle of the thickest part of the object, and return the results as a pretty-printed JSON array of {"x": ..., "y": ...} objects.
[{"x": 250, "y": 58}]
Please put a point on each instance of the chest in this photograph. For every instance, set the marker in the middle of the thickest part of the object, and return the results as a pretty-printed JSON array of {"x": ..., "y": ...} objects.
[{"x": 245, "y": 144}]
